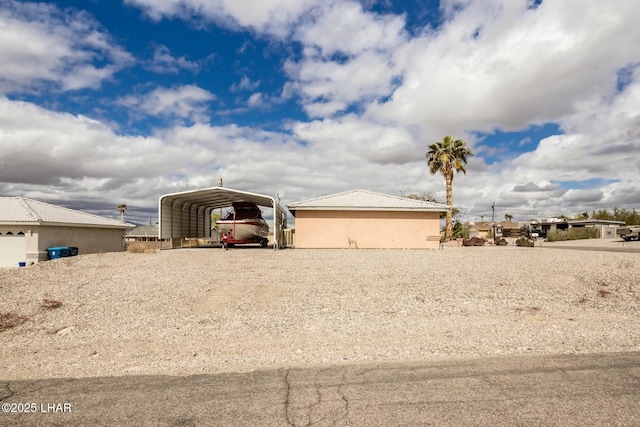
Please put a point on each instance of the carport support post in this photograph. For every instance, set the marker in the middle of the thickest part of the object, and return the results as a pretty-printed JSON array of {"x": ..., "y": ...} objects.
[{"x": 275, "y": 224}]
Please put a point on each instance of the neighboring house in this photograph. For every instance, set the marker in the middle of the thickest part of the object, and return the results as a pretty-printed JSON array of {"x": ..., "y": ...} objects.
[
  {"x": 363, "y": 219},
  {"x": 606, "y": 229},
  {"x": 143, "y": 233},
  {"x": 28, "y": 227},
  {"x": 479, "y": 229},
  {"x": 484, "y": 229}
]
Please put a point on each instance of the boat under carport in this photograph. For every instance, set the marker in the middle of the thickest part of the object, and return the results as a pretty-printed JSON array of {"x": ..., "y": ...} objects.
[{"x": 187, "y": 214}]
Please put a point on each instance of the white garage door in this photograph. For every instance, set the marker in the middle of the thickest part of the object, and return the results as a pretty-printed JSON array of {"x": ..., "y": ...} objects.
[{"x": 12, "y": 250}]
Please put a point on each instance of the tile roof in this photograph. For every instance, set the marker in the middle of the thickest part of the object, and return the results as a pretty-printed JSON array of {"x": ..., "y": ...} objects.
[
  {"x": 366, "y": 200},
  {"x": 20, "y": 210},
  {"x": 480, "y": 225},
  {"x": 144, "y": 231}
]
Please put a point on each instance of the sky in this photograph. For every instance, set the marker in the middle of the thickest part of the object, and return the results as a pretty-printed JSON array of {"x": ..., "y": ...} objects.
[{"x": 109, "y": 102}]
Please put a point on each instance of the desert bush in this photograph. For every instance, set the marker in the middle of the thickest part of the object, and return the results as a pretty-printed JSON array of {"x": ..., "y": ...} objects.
[
  {"x": 49, "y": 304},
  {"x": 572, "y": 234},
  {"x": 524, "y": 242},
  {"x": 474, "y": 241},
  {"x": 11, "y": 320},
  {"x": 141, "y": 248}
]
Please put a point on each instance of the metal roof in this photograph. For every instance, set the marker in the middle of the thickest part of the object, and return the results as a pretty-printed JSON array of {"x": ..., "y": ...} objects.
[
  {"x": 596, "y": 221},
  {"x": 366, "y": 200},
  {"x": 217, "y": 197},
  {"x": 20, "y": 210}
]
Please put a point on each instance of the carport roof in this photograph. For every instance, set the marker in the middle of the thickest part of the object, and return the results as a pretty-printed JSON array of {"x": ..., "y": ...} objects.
[
  {"x": 218, "y": 197},
  {"x": 367, "y": 201}
]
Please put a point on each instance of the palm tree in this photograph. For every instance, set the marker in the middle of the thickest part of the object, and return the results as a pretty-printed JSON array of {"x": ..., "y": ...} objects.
[
  {"x": 446, "y": 157},
  {"x": 508, "y": 217},
  {"x": 122, "y": 208}
]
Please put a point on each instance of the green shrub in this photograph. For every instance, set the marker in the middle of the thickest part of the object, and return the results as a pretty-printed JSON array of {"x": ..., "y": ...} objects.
[
  {"x": 556, "y": 236},
  {"x": 572, "y": 234}
]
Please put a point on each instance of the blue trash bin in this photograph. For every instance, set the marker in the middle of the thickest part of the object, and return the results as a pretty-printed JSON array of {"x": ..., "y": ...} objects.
[{"x": 58, "y": 252}]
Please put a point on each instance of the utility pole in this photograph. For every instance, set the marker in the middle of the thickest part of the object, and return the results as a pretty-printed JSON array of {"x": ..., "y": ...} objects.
[{"x": 493, "y": 220}]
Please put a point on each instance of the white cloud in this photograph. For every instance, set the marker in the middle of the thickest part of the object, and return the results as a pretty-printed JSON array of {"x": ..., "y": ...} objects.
[
  {"x": 185, "y": 102},
  {"x": 256, "y": 100},
  {"x": 327, "y": 87},
  {"x": 347, "y": 58},
  {"x": 583, "y": 196},
  {"x": 40, "y": 44},
  {"x": 88, "y": 160},
  {"x": 346, "y": 28},
  {"x": 523, "y": 67},
  {"x": 266, "y": 16},
  {"x": 75, "y": 147},
  {"x": 245, "y": 84},
  {"x": 599, "y": 140},
  {"x": 164, "y": 62}
]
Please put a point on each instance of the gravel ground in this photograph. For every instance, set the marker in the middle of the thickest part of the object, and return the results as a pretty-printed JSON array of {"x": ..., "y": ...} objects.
[{"x": 195, "y": 311}]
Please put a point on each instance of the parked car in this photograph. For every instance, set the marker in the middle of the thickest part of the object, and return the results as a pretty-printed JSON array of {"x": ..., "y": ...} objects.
[
  {"x": 632, "y": 233},
  {"x": 542, "y": 234}
]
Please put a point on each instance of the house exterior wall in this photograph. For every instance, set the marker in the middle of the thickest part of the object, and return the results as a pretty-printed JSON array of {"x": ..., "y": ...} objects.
[
  {"x": 88, "y": 240},
  {"x": 367, "y": 229},
  {"x": 38, "y": 238}
]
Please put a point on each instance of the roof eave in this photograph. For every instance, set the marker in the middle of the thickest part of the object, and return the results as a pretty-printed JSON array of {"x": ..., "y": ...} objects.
[
  {"x": 372, "y": 209},
  {"x": 13, "y": 223},
  {"x": 122, "y": 226}
]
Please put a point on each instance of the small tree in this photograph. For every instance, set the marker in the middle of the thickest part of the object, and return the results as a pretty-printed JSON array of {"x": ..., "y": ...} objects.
[
  {"x": 122, "y": 209},
  {"x": 584, "y": 215},
  {"x": 508, "y": 217},
  {"x": 459, "y": 231}
]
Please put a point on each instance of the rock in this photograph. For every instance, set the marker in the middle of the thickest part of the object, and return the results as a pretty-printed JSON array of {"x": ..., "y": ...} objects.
[{"x": 66, "y": 331}]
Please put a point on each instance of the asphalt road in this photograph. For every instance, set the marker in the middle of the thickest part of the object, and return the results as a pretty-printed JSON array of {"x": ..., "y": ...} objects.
[
  {"x": 571, "y": 390},
  {"x": 607, "y": 245}
]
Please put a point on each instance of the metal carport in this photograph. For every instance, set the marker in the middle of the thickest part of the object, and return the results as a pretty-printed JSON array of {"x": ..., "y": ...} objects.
[{"x": 188, "y": 214}]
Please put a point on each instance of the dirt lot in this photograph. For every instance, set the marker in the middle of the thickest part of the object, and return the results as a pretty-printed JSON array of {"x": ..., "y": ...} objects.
[{"x": 194, "y": 311}]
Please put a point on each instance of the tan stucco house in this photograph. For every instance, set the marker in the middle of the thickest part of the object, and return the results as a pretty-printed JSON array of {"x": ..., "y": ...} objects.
[
  {"x": 28, "y": 227},
  {"x": 482, "y": 229},
  {"x": 363, "y": 219}
]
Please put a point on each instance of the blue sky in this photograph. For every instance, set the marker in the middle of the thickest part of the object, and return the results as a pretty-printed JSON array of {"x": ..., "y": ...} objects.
[{"x": 110, "y": 102}]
